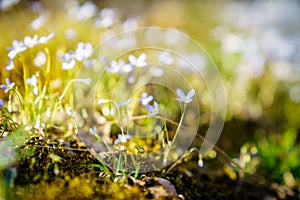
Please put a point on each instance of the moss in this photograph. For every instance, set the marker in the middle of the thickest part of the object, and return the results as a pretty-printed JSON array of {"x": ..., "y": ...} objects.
[{"x": 85, "y": 186}]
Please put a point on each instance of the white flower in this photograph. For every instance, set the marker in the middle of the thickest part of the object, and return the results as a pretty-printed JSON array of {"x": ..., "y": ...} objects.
[
  {"x": 40, "y": 59},
  {"x": 106, "y": 19},
  {"x": 10, "y": 65},
  {"x": 114, "y": 67},
  {"x": 45, "y": 39},
  {"x": 68, "y": 65},
  {"x": 165, "y": 58},
  {"x": 31, "y": 41},
  {"x": 145, "y": 99},
  {"x": 70, "y": 34},
  {"x": 32, "y": 80},
  {"x": 153, "y": 109},
  {"x": 138, "y": 62},
  {"x": 122, "y": 138},
  {"x": 102, "y": 101},
  {"x": 83, "y": 51},
  {"x": 17, "y": 47},
  {"x": 124, "y": 103},
  {"x": 37, "y": 23},
  {"x": 185, "y": 98},
  {"x": 5, "y": 4},
  {"x": 93, "y": 131},
  {"x": 9, "y": 85}
]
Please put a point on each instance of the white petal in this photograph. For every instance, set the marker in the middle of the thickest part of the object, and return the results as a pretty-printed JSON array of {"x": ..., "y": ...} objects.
[
  {"x": 155, "y": 105},
  {"x": 180, "y": 93},
  {"x": 150, "y": 108},
  {"x": 179, "y": 99},
  {"x": 132, "y": 59},
  {"x": 190, "y": 94},
  {"x": 142, "y": 58}
]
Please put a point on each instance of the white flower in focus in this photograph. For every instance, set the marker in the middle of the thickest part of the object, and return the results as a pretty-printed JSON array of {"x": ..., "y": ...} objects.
[{"x": 185, "y": 98}]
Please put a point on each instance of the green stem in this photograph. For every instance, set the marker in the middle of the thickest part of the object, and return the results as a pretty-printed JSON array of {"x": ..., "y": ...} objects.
[
  {"x": 119, "y": 116},
  {"x": 66, "y": 89},
  {"x": 179, "y": 125}
]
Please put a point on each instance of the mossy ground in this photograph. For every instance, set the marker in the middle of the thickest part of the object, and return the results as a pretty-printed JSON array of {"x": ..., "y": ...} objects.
[{"x": 63, "y": 169}]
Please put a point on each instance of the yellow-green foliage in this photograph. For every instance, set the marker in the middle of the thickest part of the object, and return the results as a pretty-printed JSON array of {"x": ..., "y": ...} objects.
[{"x": 81, "y": 187}]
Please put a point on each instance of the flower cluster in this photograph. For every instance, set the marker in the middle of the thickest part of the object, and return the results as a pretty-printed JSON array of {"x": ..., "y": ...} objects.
[
  {"x": 28, "y": 42},
  {"x": 82, "y": 53},
  {"x": 123, "y": 67}
]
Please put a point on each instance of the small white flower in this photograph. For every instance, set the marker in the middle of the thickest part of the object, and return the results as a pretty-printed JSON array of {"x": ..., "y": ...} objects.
[
  {"x": 6, "y": 4},
  {"x": 40, "y": 59},
  {"x": 67, "y": 57},
  {"x": 145, "y": 99},
  {"x": 122, "y": 138},
  {"x": 83, "y": 51},
  {"x": 32, "y": 81},
  {"x": 153, "y": 109},
  {"x": 68, "y": 65},
  {"x": 124, "y": 103},
  {"x": 165, "y": 58},
  {"x": 138, "y": 62},
  {"x": 114, "y": 67},
  {"x": 10, "y": 65},
  {"x": 70, "y": 34},
  {"x": 17, "y": 47},
  {"x": 102, "y": 101},
  {"x": 89, "y": 63},
  {"x": 93, "y": 131},
  {"x": 31, "y": 41},
  {"x": 106, "y": 19},
  {"x": 45, "y": 39},
  {"x": 9, "y": 85},
  {"x": 185, "y": 98},
  {"x": 37, "y": 23}
]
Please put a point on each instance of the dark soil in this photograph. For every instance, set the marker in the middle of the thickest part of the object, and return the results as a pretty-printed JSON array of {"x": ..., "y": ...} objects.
[{"x": 65, "y": 170}]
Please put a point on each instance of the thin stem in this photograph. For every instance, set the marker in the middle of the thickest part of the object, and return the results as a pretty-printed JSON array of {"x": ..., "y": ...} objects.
[
  {"x": 119, "y": 116},
  {"x": 215, "y": 147},
  {"x": 179, "y": 125},
  {"x": 66, "y": 89}
]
